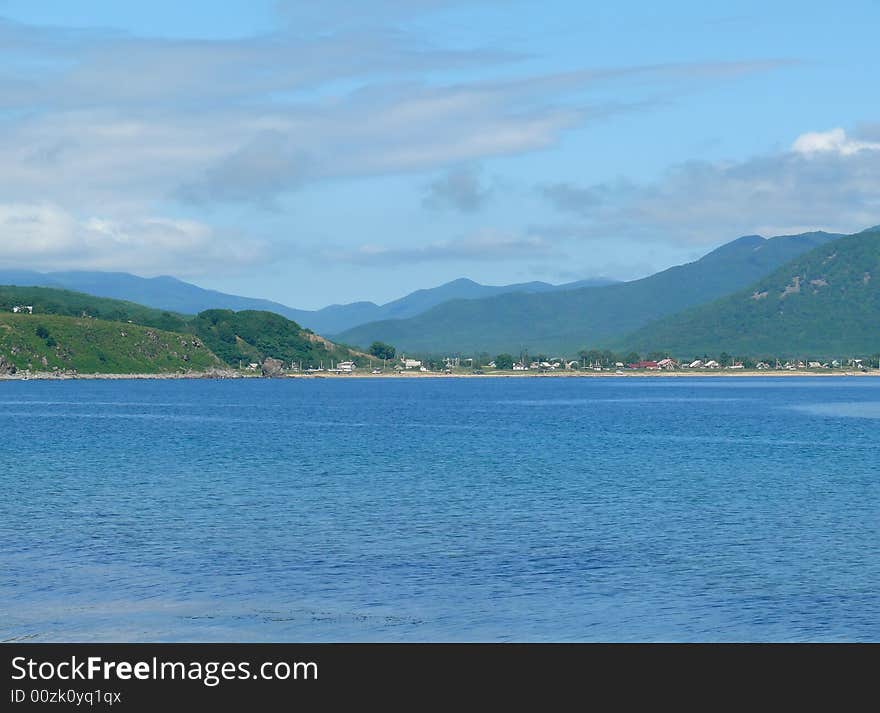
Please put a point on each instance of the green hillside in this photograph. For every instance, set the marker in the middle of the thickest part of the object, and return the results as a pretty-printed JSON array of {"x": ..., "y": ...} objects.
[
  {"x": 825, "y": 303},
  {"x": 563, "y": 322},
  {"x": 45, "y": 342},
  {"x": 101, "y": 335},
  {"x": 251, "y": 336},
  {"x": 47, "y": 300}
]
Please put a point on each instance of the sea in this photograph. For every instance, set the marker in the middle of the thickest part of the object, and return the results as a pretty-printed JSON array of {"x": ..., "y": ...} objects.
[{"x": 477, "y": 509}]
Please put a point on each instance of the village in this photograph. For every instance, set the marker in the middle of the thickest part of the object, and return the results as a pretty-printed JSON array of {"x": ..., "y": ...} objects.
[{"x": 469, "y": 366}]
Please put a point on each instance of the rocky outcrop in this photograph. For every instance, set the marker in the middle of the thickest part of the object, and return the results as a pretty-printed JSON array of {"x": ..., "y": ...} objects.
[
  {"x": 6, "y": 367},
  {"x": 272, "y": 368}
]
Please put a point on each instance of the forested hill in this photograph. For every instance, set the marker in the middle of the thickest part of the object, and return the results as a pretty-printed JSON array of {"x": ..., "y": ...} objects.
[
  {"x": 251, "y": 336},
  {"x": 825, "y": 303}
]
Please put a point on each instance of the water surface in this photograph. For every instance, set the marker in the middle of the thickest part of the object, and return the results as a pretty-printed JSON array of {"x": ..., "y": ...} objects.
[{"x": 440, "y": 509}]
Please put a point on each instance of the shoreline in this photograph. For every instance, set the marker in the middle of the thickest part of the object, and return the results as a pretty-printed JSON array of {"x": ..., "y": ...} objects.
[{"x": 219, "y": 375}]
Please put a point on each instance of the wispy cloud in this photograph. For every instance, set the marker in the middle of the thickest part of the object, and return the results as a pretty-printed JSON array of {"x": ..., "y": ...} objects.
[
  {"x": 483, "y": 245},
  {"x": 244, "y": 120},
  {"x": 104, "y": 123}
]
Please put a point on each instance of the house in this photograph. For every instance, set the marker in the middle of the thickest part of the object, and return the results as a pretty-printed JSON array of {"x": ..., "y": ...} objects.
[
  {"x": 411, "y": 363},
  {"x": 667, "y": 364},
  {"x": 23, "y": 309},
  {"x": 346, "y": 367},
  {"x": 712, "y": 364},
  {"x": 650, "y": 365},
  {"x": 696, "y": 364},
  {"x": 520, "y": 367}
]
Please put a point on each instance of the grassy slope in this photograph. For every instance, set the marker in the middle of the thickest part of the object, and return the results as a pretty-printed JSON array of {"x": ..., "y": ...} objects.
[
  {"x": 566, "y": 321},
  {"x": 93, "y": 343},
  {"x": 835, "y": 311},
  {"x": 47, "y": 300},
  {"x": 42, "y": 342}
]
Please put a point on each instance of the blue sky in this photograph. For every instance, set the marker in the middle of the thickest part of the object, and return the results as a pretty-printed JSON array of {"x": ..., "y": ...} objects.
[{"x": 327, "y": 152}]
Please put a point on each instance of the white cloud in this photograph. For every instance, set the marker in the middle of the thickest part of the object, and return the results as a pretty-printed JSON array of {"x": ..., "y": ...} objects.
[
  {"x": 43, "y": 236},
  {"x": 831, "y": 141},
  {"x": 827, "y": 181}
]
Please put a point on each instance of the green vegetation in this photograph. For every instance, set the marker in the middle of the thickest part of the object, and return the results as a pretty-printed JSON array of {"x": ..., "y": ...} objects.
[
  {"x": 252, "y": 336},
  {"x": 380, "y": 350},
  {"x": 564, "y": 321},
  {"x": 47, "y": 300},
  {"x": 823, "y": 304},
  {"x": 43, "y": 342},
  {"x": 504, "y": 361}
]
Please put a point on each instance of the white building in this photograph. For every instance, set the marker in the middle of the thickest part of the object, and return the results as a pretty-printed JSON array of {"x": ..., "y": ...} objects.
[
  {"x": 346, "y": 367},
  {"x": 23, "y": 309},
  {"x": 411, "y": 364}
]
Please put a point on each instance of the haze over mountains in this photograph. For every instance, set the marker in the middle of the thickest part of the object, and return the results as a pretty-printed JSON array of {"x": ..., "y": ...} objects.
[{"x": 587, "y": 317}]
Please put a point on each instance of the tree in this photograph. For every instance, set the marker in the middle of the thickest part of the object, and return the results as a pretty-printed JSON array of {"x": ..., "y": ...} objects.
[
  {"x": 381, "y": 350},
  {"x": 504, "y": 361}
]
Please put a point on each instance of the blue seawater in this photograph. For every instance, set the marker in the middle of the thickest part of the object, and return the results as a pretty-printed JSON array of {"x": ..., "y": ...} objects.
[{"x": 713, "y": 509}]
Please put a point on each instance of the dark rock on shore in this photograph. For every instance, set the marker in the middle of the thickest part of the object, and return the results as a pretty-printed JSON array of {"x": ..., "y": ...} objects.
[
  {"x": 272, "y": 368},
  {"x": 6, "y": 367}
]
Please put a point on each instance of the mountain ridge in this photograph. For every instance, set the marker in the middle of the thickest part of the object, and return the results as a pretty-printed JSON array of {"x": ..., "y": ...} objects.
[
  {"x": 565, "y": 321},
  {"x": 170, "y": 293}
]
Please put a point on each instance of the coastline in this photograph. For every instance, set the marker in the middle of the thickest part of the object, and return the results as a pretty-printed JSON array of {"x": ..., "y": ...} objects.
[{"x": 222, "y": 375}]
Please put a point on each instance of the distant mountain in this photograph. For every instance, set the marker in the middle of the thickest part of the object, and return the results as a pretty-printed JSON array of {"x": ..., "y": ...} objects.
[
  {"x": 171, "y": 294},
  {"x": 825, "y": 303},
  {"x": 571, "y": 319},
  {"x": 166, "y": 293},
  {"x": 338, "y": 318}
]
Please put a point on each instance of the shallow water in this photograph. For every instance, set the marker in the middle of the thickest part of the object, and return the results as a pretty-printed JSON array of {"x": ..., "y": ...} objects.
[{"x": 459, "y": 509}]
